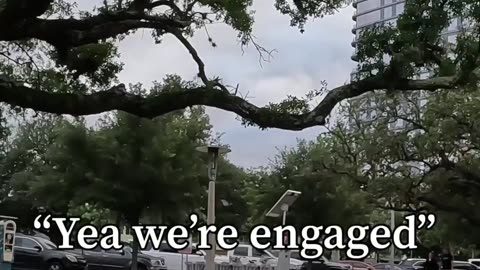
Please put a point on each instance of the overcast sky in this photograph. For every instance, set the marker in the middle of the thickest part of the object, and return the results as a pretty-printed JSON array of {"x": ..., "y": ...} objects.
[{"x": 300, "y": 63}]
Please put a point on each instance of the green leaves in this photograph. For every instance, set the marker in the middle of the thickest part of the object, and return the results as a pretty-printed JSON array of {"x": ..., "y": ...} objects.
[
  {"x": 327, "y": 198},
  {"x": 428, "y": 162},
  {"x": 417, "y": 40},
  {"x": 303, "y": 9},
  {"x": 235, "y": 13}
]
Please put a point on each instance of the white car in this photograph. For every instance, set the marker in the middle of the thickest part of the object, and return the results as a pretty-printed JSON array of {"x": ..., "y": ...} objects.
[
  {"x": 296, "y": 259},
  {"x": 174, "y": 259},
  {"x": 475, "y": 261}
]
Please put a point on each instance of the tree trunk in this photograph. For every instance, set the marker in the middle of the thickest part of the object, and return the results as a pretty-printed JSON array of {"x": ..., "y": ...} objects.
[
  {"x": 118, "y": 220},
  {"x": 134, "y": 266},
  {"x": 135, "y": 253},
  {"x": 309, "y": 265}
]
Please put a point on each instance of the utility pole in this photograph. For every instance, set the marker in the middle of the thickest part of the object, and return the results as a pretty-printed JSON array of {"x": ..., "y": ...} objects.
[{"x": 392, "y": 247}]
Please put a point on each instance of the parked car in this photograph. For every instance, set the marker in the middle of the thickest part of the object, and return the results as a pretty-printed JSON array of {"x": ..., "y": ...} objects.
[
  {"x": 357, "y": 265},
  {"x": 173, "y": 258},
  {"x": 246, "y": 253},
  {"x": 37, "y": 253},
  {"x": 322, "y": 265},
  {"x": 475, "y": 261},
  {"x": 386, "y": 266},
  {"x": 99, "y": 259},
  {"x": 411, "y": 263},
  {"x": 322, "y": 262},
  {"x": 463, "y": 265},
  {"x": 458, "y": 265}
]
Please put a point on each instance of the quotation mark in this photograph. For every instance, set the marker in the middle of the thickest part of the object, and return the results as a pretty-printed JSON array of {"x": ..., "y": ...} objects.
[
  {"x": 194, "y": 220},
  {"x": 428, "y": 220},
  {"x": 42, "y": 225}
]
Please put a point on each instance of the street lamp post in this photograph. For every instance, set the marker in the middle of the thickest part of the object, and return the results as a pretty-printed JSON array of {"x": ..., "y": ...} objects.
[
  {"x": 392, "y": 228},
  {"x": 280, "y": 209},
  {"x": 213, "y": 152}
]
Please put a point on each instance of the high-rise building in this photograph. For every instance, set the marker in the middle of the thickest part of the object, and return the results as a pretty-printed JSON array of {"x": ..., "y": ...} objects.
[
  {"x": 385, "y": 12},
  {"x": 373, "y": 12}
]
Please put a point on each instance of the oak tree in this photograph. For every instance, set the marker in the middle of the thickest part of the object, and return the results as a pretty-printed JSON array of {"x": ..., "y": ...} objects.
[{"x": 41, "y": 40}]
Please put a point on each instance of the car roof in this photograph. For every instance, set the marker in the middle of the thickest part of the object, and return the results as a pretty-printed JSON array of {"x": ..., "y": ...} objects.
[
  {"x": 24, "y": 235},
  {"x": 354, "y": 261},
  {"x": 387, "y": 264}
]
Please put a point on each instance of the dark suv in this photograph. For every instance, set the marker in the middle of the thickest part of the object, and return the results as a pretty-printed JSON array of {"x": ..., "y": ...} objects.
[
  {"x": 35, "y": 253},
  {"x": 99, "y": 259}
]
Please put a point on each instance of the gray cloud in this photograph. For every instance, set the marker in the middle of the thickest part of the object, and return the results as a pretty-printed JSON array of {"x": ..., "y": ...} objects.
[{"x": 301, "y": 61}]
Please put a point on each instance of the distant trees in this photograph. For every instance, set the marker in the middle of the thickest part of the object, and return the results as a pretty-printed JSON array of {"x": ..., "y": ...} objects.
[{"x": 326, "y": 198}]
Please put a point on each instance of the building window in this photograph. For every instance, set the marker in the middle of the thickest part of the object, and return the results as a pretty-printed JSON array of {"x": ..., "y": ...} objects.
[
  {"x": 452, "y": 39},
  {"x": 400, "y": 8},
  {"x": 367, "y": 5},
  {"x": 388, "y": 12},
  {"x": 368, "y": 18},
  {"x": 453, "y": 25}
]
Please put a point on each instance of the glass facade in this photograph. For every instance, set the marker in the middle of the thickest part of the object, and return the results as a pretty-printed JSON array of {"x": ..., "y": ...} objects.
[{"x": 371, "y": 12}]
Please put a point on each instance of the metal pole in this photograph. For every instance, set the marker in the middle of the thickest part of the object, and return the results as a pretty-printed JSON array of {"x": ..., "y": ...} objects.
[
  {"x": 182, "y": 262},
  {"x": 212, "y": 175},
  {"x": 211, "y": 220},
  {"x": 283, "y": 258},
  {"x": 392, "y": 247}
]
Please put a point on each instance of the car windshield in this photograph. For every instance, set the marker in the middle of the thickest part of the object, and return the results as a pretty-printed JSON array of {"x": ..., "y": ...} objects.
[
  {"x": 47, "y": 243},
  {"x": 295, "y": 255},
  {"x": 408, "y": 262},
  {"x": 275, "y": 253},
  {"x": 386, "y": 266}
]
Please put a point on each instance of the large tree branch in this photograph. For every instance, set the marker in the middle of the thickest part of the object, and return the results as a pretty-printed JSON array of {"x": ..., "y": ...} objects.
[
  {"x": 76, "y": 32},
  {"x": 408, "y": 209},
  {"x": 440, "y": 205},
  {"x": 66, "y": 33},
  {"x": 117, "y": 99}
]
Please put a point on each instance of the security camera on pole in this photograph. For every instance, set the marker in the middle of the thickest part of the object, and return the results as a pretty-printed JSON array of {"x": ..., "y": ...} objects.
[
  {"x": 213, "y": 152},
  {"x": 280, "y": 209}
]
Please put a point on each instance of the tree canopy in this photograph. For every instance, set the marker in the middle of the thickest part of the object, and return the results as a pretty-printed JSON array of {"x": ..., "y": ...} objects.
[
  {"x": 326, "y": 198},
  {"x": 59, "y": 63},
  {"x": 125, "y": 168}
]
